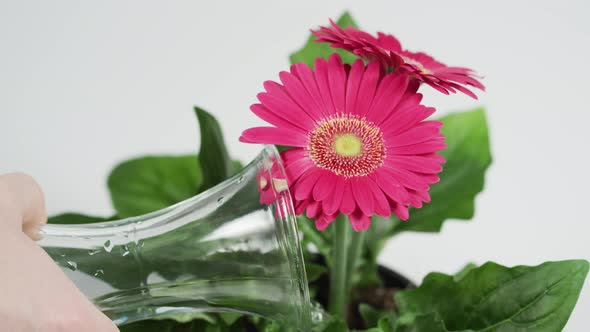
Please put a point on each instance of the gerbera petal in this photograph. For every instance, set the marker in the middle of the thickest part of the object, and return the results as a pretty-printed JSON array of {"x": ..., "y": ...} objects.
[
  {"x": 348, "y": 205},
  {"x": 401, "y": 211},
  {"x": 313, "y": 209},
  {"x": 273, "y": 118},
  {"x": 285, "y": 108},
  {"x": 304, "y": 186},
  {"x": 300, "y": 206},
  {"x": 407, "y": 179},
  {"x": 298, "y": 92},
  {"x": 272, "y": 135},
  {"x": 297, "y": 168},
  {"x": 307, "y": 77},
  {"x": 389, "y": 42},
  {"x": 359, "y": 221},
  {"x": 422, "y": 132},
  {"x": 367, "y": 89},
  {"x": 382, "y": 207},
  {"x": 363, "y": 196},
  {"x": 392, "y": 187},
  {"x": 405, "y": 118},
  {"x": 332, "y": 203},
  {"x": 323, "y": 221},
  {"x": 353, "y": 84},
  {"x": 417, "y": 164},
  {"x": 415, "y": 201},
  {"x": 387, "y": 51},
  {"x": 337, "y": 81},
  {"x": 423, "y": 195},
  {"x": 322, "y": 80},
  {"x": 294, "y": 154},
  {"x": 424, "y": 147},
  {"x": 324, "y": 186},
  {"x": 388, "y": 95}
]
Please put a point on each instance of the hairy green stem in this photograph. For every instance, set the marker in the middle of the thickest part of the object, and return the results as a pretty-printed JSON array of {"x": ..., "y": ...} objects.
[{"x": 338, "y": 292}]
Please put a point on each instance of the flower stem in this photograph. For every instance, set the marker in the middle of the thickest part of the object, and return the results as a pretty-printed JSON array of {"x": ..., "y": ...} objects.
[
  {"x": 354, "y": 253},
  {"x": 338, "y": 292}
]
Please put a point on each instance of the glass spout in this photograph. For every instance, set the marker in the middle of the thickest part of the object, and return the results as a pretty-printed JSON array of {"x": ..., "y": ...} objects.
[{"x": 227, "y": 249}]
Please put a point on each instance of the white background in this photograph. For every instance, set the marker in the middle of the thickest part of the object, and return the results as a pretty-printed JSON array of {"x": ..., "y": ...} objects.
[{"x": 84, "y": 85}]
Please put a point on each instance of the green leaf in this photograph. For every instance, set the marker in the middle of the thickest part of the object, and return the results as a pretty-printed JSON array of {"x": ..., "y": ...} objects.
[
  {"x": 236, "y": 167},
  {"x": 464, "y": 271},
  {"x": 74, "y": 218},
  {"x": 385, "y": 324},
  {"x": 147, "y": 184},
  {"x": 313, "y": 50},
  {"x": 425, "y": 323},
  {"x": 468, "y": 157},
  {"x": 495, "y": 298},
  {"x": 370, "y": 315},
  {"x": 216, "y": 164},
  {"x": 314, "y": 271},
  {"x": 335, "y": 326},
  {"x": 229, "y": 318}
]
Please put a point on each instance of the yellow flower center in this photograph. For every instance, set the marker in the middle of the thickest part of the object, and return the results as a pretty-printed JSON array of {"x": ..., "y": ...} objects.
[{"x": 348, "y": 145}]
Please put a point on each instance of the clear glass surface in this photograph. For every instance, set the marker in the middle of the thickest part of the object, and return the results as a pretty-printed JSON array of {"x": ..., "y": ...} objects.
[{"x": 222, "y": 250}]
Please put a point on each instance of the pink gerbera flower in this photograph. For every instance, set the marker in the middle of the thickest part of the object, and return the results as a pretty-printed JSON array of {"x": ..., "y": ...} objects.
[
  {"x": 361, "y": 145},
  {"x": 387, "y": 50}
]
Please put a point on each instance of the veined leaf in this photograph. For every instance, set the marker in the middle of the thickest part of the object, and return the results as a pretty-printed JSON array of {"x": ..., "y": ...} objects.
[
  {"x": 495, "y": 298},
  {"x": 147, "y": 184}
]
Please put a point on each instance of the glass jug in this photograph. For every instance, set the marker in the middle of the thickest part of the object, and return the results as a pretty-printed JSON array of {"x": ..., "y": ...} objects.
[{"x": 232, "y": 248}]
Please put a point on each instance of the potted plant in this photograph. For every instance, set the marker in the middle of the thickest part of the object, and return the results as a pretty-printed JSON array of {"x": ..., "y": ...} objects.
[{"x": 364, "y": 163}]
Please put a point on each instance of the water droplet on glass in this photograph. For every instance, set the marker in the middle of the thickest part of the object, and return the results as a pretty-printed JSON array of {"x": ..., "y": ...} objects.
[
  {"x": 125, "y": 251},
  {"x": 145, "y": 312},
  {"x": 94, "y": 252},
  {"x": 72, "y": 265},
  {"x": 108, "y": 246},
  {"x": 99, "y": 273},
  {"x": 220, "y": 200},
  {"x": 317, "y": 313}
]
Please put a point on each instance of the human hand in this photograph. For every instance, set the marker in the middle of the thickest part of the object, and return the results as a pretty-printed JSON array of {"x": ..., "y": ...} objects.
[{"x": 35, "y": 295}]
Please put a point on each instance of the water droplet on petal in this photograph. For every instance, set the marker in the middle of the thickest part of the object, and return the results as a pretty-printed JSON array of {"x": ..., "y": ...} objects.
[
  {"x": 220, "y": 200},
  {"x": 72, "y": 265},
  {"x": 240, "y": 179}
]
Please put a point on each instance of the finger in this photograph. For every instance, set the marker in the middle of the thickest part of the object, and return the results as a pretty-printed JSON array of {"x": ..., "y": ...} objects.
[{"x": 22, "y": 204}]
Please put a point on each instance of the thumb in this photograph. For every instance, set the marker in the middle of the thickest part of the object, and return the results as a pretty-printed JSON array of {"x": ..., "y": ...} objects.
[{"x": 22, "y": 204}]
